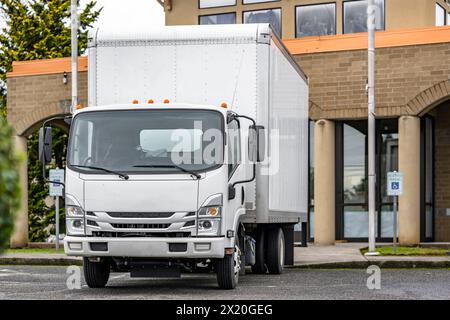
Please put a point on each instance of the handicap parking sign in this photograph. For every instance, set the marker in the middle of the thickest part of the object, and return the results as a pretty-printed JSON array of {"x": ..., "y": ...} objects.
[{"x": 395, "y": 183}]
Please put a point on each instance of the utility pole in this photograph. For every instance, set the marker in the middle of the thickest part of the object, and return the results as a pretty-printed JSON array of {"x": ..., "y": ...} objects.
[
  {"x": 74, "y": 42},
  {"x": 371, "y": 123}
]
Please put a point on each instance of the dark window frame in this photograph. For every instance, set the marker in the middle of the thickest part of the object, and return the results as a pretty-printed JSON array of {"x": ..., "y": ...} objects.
[
  {"x": 315, "y": 4},
  {"x": 343, "y": 15},
  {"x": 218, "y": 14},
  {"x": 266, "y": 9},
  {"x": 225, "y": 6},
  {"x": 260, "y": 1}
]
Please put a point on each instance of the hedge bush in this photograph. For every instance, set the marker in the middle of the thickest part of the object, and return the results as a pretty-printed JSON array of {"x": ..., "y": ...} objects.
[{"x": 9, "y": 183}]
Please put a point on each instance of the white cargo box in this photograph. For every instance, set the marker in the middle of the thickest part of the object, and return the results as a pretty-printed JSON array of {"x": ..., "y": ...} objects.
[{"x": 245, "y": 66}]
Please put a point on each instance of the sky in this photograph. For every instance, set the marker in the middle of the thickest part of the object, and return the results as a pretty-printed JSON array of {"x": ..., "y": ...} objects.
[{"x": 136, "y": 13}]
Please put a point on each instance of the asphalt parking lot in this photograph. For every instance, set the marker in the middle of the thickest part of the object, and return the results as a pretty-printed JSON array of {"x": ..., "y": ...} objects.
[{"x": 50, "y": 282}]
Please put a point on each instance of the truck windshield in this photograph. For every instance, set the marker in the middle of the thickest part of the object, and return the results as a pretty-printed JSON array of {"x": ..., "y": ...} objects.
[{"x": 147, "y": 141}]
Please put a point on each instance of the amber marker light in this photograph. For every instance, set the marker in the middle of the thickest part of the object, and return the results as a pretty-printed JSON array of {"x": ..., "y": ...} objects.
[
  {"x": 166, "y": 101},
  {"x": 135, "y": 101},
  {"x": 224, "y": 105},
  {"x": 213, "y": 211}
]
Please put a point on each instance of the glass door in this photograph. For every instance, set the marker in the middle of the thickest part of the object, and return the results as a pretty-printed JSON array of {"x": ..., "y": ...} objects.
[
  {"x": 387, "y": 159},
  {"x": 352, "y": 217}
]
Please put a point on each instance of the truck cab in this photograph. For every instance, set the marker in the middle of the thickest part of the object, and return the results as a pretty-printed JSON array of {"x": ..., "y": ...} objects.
[{"x": 152, "y": 181}]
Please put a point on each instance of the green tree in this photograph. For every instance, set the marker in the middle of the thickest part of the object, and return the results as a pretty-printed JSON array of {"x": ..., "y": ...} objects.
[
  {"x": 39, "y": 29},
  {"x": 9, "y": 184}
]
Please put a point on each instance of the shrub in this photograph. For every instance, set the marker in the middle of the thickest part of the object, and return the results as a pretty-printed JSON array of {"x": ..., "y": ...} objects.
[{"x": 9, "y": 183}]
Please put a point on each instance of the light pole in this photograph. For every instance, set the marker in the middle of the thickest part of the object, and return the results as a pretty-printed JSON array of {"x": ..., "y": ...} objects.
[
  {"x": 74, "y": 43},
  {"x": 371, "y": 123}
]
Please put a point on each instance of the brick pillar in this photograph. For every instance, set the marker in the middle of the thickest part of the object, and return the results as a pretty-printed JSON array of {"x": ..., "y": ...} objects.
[
  {"x": 409, "y": 164},
  {"x": 19, "y": 238},
  {"x": 324, "y": 183}
]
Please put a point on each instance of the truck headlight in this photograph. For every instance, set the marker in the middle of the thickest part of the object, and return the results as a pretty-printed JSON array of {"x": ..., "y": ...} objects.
[
  {"x": 75, "y": 220},
  {"x": 214, "y": 212},
  {"x": 74, "y": 211},
  {"x": 209, "y": 221},
  {"x": 209, "y": 227}
]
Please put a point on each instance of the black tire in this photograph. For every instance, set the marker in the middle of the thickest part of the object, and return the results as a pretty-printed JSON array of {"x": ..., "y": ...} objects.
[
  {"x": 275, "y": 250},
  {"x": 96, "y": 274},
  {"x": 260, "y": 255},
  {"x": 227, "y": 278}
]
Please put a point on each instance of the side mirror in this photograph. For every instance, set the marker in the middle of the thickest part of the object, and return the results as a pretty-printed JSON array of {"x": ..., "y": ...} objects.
[
  {"x": 45, "y": 145},
  {"x": 256, "y": 143}
]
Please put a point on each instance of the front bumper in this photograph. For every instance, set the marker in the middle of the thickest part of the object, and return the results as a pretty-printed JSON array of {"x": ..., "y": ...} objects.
[{"x": 147, "y": 247}]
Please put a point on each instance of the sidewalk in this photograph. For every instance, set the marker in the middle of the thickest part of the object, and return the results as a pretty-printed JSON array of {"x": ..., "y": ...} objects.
[
  {"x": 55, "y": 259},
  {"x": 347, "y": 255},
  {"x": 341, "y": 255}
]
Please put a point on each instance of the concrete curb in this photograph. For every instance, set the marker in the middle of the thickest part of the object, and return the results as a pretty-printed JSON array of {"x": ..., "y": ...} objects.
[
  {"x": 394, "y": 264},
  {"x": 382, "y": 263},
  {"x": 40, "y": 261}
]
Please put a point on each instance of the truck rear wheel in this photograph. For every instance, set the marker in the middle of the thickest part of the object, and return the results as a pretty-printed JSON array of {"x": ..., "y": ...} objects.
[
  {"x": 227, "y": 270},
  {"x": 260, "y": 255},
  {"x": 275, "y": 250},
  {"x": 96, "y": 274}
]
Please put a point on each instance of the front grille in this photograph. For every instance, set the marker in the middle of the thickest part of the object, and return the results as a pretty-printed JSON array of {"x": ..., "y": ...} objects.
[
  {"x": 140, "y": 225},
  {"x": 140, "y": 214},
  {"x": 91, "y": 223},
  {"x": 107, "y": 234}
]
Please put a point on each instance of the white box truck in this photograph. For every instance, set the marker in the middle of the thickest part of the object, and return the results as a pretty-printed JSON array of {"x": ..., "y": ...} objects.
[{"x": 191, "y": 156}]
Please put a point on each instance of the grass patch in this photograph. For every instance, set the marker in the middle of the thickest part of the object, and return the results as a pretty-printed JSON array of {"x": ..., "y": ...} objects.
[
  {"x": 408, "y": 251},
  {"x": 34, "y": 250}
]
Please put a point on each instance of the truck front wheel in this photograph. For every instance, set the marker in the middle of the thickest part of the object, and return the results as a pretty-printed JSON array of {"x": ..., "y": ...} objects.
[
  {"x": 227, "y": 270},
  {"x": 275, "y": 250},
  {"x": 96, "y": 274}
]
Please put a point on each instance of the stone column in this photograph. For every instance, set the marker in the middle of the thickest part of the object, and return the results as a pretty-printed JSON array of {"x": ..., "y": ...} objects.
[
  {"x": 324, "y": 183},
  {"x": 19, "y": 238},
  {"x": 409, "y": 165}
]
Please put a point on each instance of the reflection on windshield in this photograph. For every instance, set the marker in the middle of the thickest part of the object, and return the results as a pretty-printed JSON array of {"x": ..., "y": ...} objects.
[{"x": 147, "y": 140}]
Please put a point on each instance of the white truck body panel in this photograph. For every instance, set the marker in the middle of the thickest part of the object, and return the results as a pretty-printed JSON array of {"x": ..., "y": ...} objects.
[{"x": 245, "y": 66}]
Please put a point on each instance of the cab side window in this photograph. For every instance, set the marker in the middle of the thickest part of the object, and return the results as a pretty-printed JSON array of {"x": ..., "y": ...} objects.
[{"x": 234, "y": 147}]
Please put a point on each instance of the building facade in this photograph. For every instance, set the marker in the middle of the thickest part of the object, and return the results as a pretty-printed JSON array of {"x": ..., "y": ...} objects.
[
  {"x": 412, "y": 98},
  {"x": 303, "y": 18},
  {"x": 328, "y": 41}
]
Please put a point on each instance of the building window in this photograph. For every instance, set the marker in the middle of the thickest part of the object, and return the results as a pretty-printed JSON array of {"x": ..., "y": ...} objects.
[
  {"x": 440, "y": 15},
  {"x": 272, "y": 16},
  {"x": 355, "y": 16},
  {"x": 427, "y": 179},
  {"x": 448, "y": 19},
  {"x": 203, "y": 4},
  {"x": 224, "y": 18},
  {"x": 316, "y": 20},
  {"x": 257, "y": 1}
]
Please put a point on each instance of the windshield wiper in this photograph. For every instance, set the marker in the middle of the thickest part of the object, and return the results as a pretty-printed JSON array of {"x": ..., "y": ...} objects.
[
  {"x": 122, "y": 175},
  {"x": 195, "y": 174}
]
